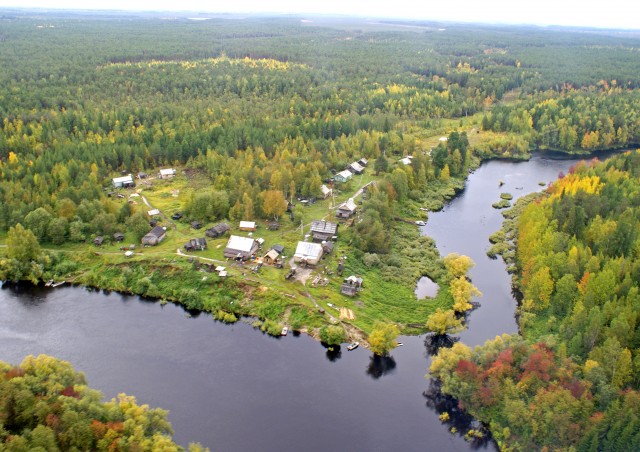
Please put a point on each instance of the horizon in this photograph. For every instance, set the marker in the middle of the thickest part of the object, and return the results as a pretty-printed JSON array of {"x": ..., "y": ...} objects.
[{"x": 586, "y": 14}]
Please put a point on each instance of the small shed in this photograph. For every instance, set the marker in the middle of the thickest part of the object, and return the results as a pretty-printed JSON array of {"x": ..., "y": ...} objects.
[
  {"x": 176, "y": 216},
  {"x": 153, "y": 212},
  {"x": 406, "y": 160},
  {"x": 196, "y": 224},
  {"x": 348, "y": 289},
  {"x": 142, "y": 175},
  {"x": 167, "y": 173},
  {"x": 271, "y": 257},
  {"x": 355, "y": 281},
  {"x": 98, "y": 241},
  {"x": 247, "y": 225},
  {"x": 346, "y": 209},
  {"x": 343, "y": 176},
  {"x": 274, "y": 226},
  {"x": 278, "y": 248},
  {"x": 123, "y": 182},
  {"x": 155, "y": 236},
  {"x": 118, "y": 237},
  {"x": 327, "y": 247},
  {"x": 363, "y": 162},
  {"x": 241, "y": 248},
  {"x": 326, "y": 191},
  {"x": 196, "y": 244},
  {"x": 322, "y": 230},
  {"x": 217, "y": 230},
  {"x": 308, "y": 253}
]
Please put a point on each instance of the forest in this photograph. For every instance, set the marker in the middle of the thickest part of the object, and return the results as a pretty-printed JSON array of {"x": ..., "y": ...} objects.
[
  {"x": 571, "y": 379},
  {"x": 256, "y": 111}
]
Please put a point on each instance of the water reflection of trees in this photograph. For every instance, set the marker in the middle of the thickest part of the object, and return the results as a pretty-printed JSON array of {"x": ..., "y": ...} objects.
[
  {"x": 459, "y": 421},
  {"x": 334, "y": 353},
  {"x": 434, "y": 342},
  {"x": 380, "y": 366}
]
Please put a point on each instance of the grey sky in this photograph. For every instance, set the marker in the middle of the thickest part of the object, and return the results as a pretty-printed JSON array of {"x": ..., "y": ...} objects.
[{"x": 610, "y": 14}]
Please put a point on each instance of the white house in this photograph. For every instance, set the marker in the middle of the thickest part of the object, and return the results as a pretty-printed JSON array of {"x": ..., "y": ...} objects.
[
  {"x": 123, "y": 182},
  {"x": 406, "y": 160},
  {"x": 308, "y": 253},
  {"x": 166, "y": 173},
  {"x": 247, "y": 225}
]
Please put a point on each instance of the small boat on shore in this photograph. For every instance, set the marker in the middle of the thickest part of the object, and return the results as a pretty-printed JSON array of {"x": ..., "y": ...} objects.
[
  {"x": 49, "y": 283},
  {"x": 284, "y": 331},
  {"x": 58, "y": 284},
  {"x": 353, "y": 346},
  {"x": 421, "y": 223}
]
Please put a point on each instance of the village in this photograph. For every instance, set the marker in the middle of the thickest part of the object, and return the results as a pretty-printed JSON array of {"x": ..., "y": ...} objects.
[{"x": 299, "y": 257}]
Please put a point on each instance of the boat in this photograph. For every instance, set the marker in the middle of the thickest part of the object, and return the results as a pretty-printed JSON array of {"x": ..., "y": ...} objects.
[
  {"x": 353, "y": 346},
  {"x": 421, "y": 223},
  {"x": 58, "y": 284},
  {"x": 284, "y": 331},
  {"x": 49, "y": 283},
  {"x": 400, "y": 344}
]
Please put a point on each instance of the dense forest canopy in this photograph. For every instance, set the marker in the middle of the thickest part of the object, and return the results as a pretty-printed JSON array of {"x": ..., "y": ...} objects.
[{"x": 266, "y": 103}]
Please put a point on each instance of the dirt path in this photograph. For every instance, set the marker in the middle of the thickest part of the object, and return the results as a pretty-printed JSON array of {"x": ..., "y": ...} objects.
[{"x": 144, "y": 200}]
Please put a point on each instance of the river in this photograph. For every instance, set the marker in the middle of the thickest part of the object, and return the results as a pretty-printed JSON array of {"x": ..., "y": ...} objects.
[{"x": 232, "y": 388}]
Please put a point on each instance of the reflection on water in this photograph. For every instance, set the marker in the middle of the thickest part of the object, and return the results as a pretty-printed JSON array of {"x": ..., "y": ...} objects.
[
  {"x": 458, "y": 421},
  {"x": 334, "y": 353},
  {"x": 380, "y": 366},
  {"x": 434, "y": 342},
  {"x": 426, "y": 287}
]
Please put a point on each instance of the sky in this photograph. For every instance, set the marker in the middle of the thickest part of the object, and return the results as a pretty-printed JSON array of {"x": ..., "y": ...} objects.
[{"x": 588, "y": 13}]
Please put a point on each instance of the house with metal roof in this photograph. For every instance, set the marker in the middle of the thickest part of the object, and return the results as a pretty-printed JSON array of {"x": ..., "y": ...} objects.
[
  {"x": 123, "y": 182},
  {"x": 241, "y": 248},
  {"x": 167, "y": 173},
  {"x": 343, "y": 176},
  {"x": 154, "y": 236},
  {"x": 308, "y": 253}
]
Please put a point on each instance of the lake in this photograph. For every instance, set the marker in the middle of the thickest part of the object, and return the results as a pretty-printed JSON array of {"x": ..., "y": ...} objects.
[{"x": 232, "y": 388}]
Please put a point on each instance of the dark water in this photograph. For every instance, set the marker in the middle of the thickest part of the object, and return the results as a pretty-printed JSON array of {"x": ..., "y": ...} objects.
[
  {"x": 233, "y": 389},
  {"x": 468, "y": 220}
]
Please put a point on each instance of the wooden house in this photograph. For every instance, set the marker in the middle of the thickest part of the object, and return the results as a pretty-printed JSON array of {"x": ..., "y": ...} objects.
[
  {"x": 308, "y": 253},
  {"x": 343, "y": 176},
  {"x": 196, "y": 244},
  {"x": 346, "y": 209},
  {"x": 356, "y": 168},
  {"x": 327, "y": 247},
  {"x": 196, "y": 224},
  {"x": 155, "y": 236},
  {"x": 217, "y": 231},
  {"x": 351, "y": 286},
  {"x": 271, "y": 257},
  {"x": 118, "y": 237},
  {"x": 98, "y": 241},
  {"x": 322, "y": 230},
  {"x": 326, "y": 191},
  {"x": 241, "y": 248}
]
